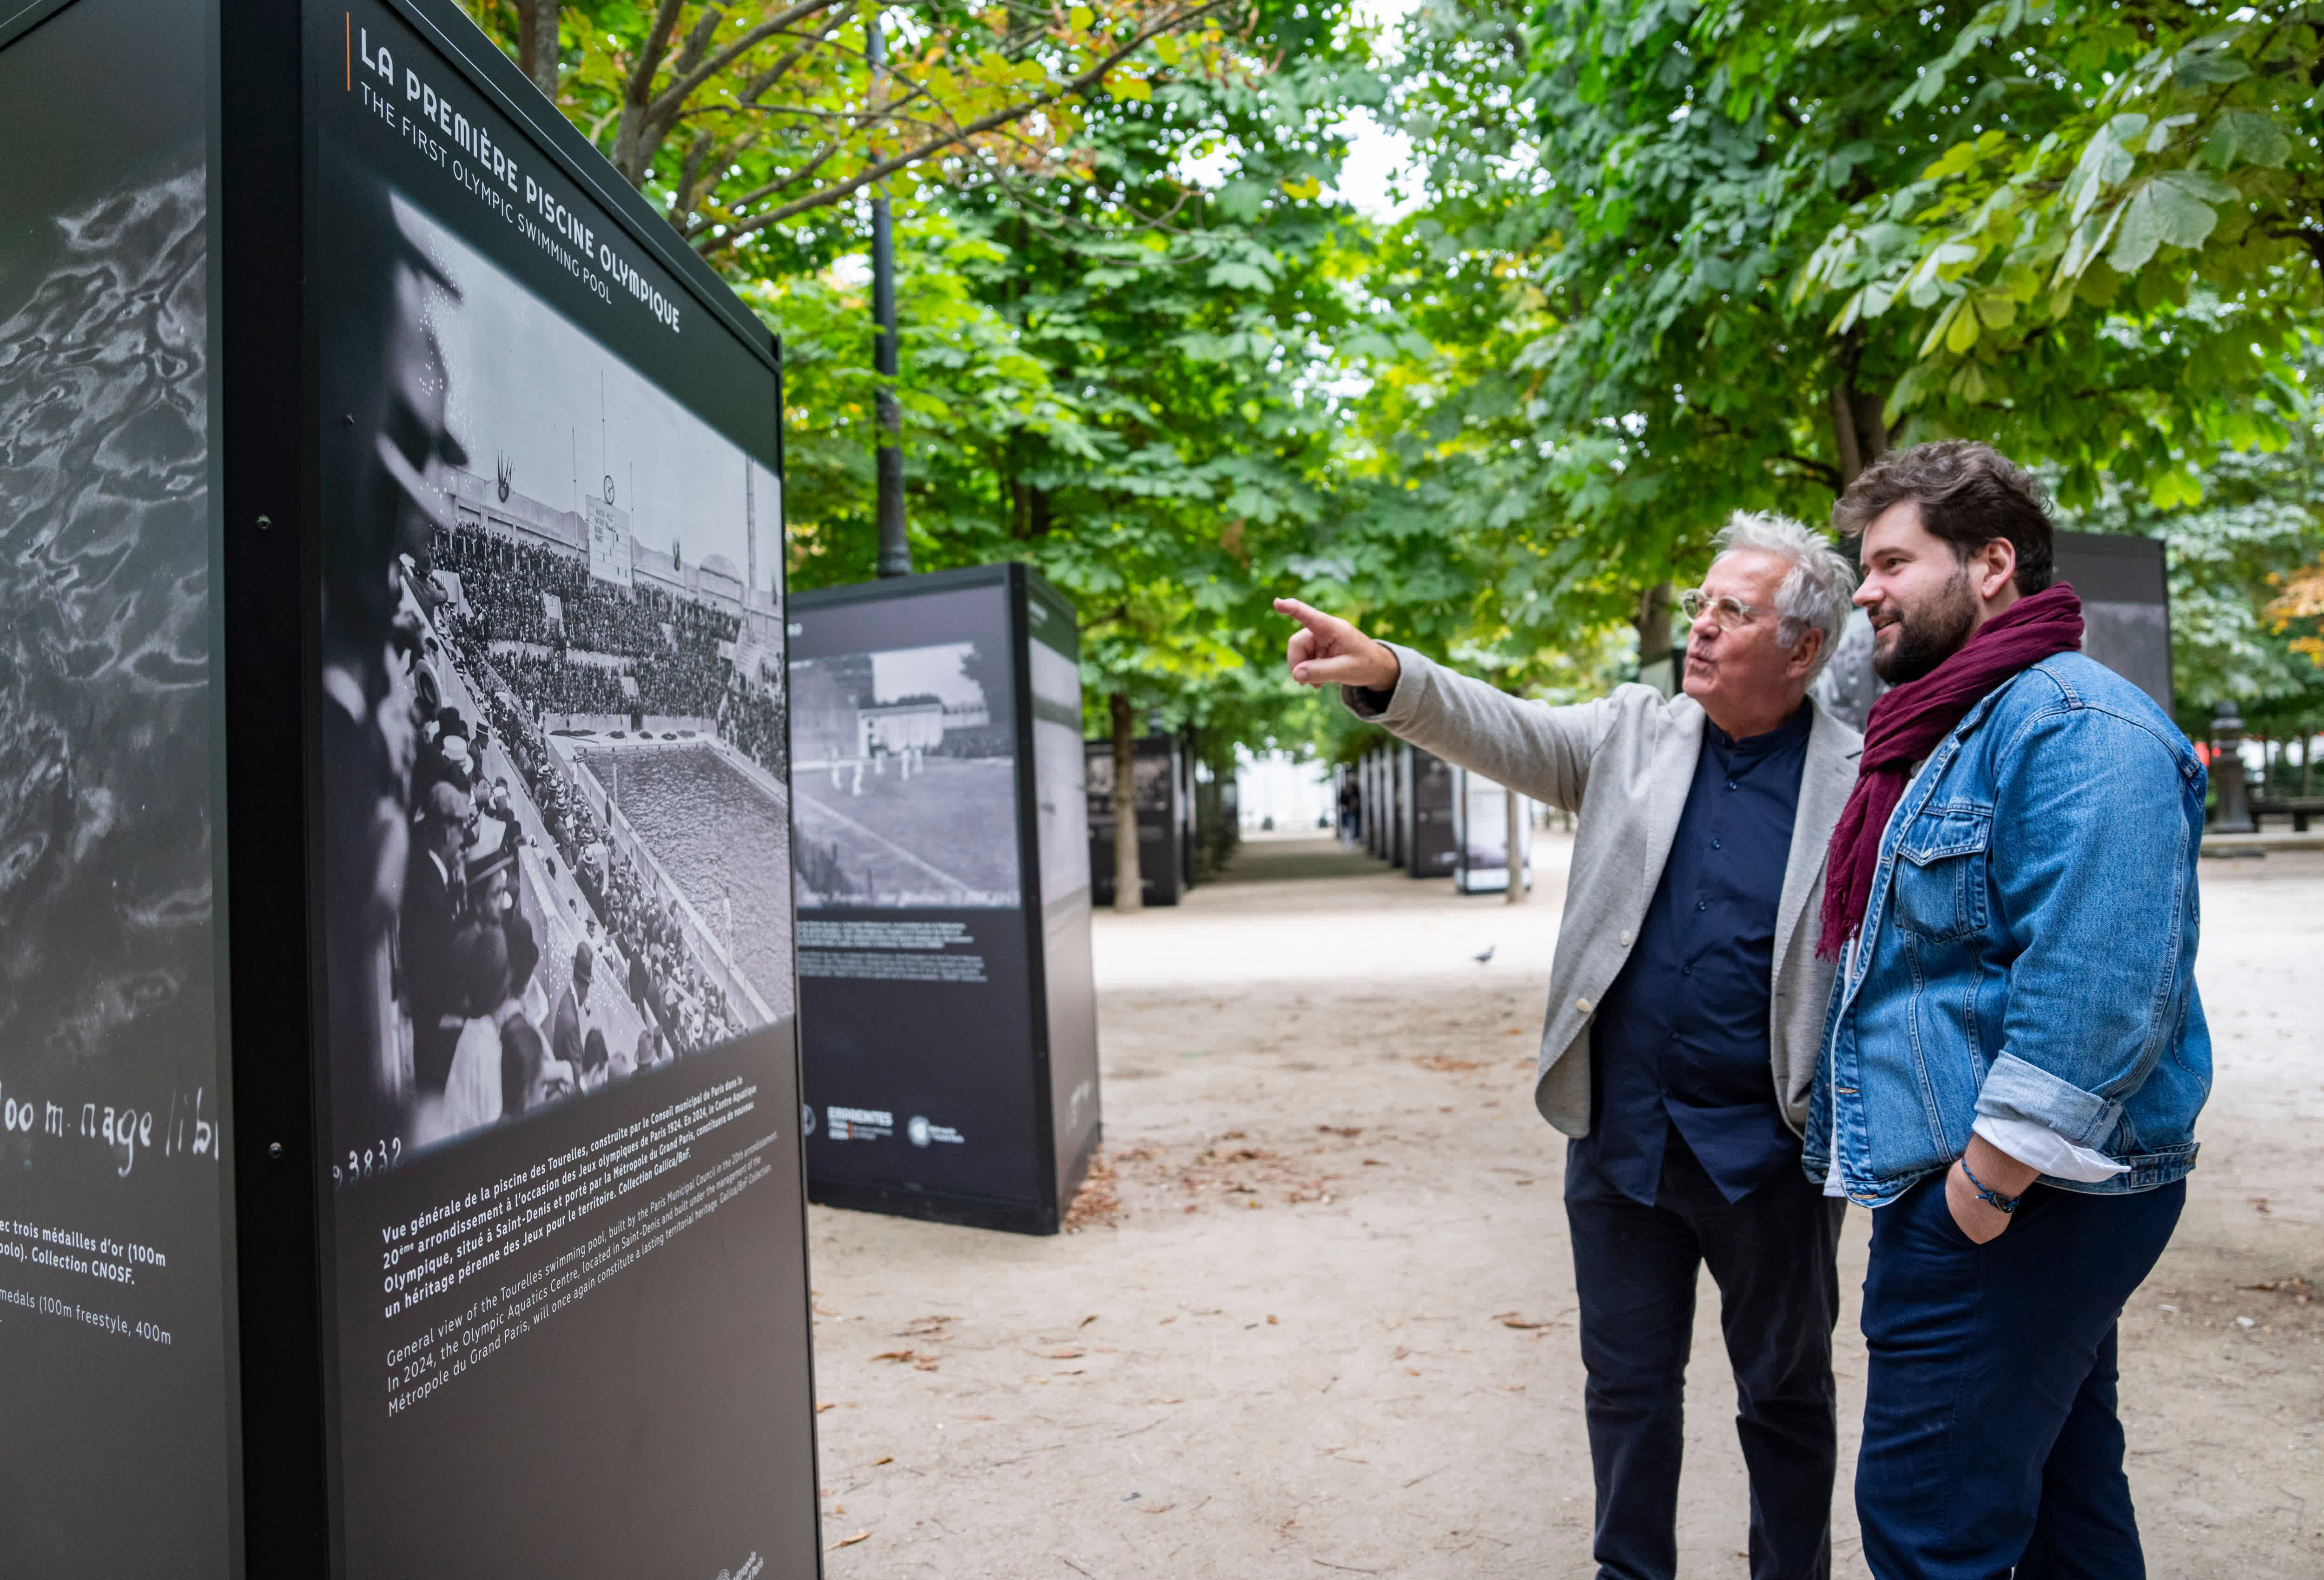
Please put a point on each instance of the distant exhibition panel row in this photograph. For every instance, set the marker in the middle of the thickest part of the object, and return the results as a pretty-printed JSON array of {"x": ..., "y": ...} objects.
[
  {"x": 393, "y": 544},
  {"x": 1406, "y": 810}
]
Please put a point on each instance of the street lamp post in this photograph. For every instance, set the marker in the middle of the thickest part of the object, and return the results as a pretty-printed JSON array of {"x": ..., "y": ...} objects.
[
  {"x": 895, "y": 545},
  {"x": 2233, "y": 814}
]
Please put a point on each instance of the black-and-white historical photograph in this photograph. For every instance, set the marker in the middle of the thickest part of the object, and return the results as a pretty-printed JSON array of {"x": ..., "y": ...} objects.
[
  {"x": 107, "y": 941},
  {"x": 553, "y": 681},
  {"x": 904, "y": 775}
]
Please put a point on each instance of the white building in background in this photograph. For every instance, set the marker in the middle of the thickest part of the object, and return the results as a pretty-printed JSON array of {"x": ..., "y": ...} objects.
[{"x": 1274, "y": 789}]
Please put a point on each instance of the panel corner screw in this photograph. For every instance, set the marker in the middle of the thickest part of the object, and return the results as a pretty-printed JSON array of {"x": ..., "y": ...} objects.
[
  {"x": 265, "y": 523},
  {"x": 274, "y": 1151}
]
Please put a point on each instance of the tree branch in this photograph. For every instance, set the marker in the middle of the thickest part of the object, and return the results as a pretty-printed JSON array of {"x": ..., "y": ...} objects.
[
  {"x": 883, "y": 169},
  {"x": 683, "y": 83}
]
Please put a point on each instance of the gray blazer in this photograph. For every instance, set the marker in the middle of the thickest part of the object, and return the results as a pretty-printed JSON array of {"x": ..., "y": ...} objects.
[{"x": 1623, "y": 764}]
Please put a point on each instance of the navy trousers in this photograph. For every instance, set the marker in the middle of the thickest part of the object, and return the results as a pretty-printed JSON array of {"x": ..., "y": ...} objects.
[
  {"x": 1991, "y": 1441},
  {"x": 1774, "y": 1257}
]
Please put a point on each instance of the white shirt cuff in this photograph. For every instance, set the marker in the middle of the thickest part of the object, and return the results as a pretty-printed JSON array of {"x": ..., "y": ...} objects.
[{"x": 2038, "y": 1146}]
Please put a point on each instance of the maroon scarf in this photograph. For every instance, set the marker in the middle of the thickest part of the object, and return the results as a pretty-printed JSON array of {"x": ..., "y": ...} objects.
[{"x": 1905, "y": 726}]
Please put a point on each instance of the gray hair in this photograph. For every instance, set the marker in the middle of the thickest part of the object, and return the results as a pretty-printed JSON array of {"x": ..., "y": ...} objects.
[{"x": 1816, "y": 591}]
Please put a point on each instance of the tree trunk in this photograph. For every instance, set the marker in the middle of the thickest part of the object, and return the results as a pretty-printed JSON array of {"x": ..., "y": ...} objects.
[
  {"x": 1128, "y": 891},
  {"x": 1860, "y": 434},
  {"x": 1513, "y": 816},
  {"x": 1654, "y": 624},
  {"x": 535, "y": 23}
]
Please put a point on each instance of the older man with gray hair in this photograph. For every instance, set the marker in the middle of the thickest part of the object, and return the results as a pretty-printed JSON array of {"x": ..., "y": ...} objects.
[{"x": 1686, "y": 1004}]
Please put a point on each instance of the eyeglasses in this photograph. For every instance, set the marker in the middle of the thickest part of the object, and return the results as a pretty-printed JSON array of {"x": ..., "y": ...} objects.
[{"x": 1732, "y": 612}]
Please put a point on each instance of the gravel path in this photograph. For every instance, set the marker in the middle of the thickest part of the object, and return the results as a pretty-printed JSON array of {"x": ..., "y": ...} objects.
[{"x": 1329, "y": 1328}]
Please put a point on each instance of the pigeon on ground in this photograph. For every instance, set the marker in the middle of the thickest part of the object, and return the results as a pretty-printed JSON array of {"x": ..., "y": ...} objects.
[{"x": 1485, "y": 956}]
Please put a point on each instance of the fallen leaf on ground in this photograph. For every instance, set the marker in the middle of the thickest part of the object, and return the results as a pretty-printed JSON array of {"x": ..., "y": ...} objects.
[
  {"x": 821, "y": 1408},
  {"x": 884, "y": 1459},
  {"x": 848, "y": 1541},
  {"x": 895, "y": 1355},
  {"x": 1066, "y": 1353},
  {"x": 1511, "y": 1319},
  {"x": 1350, "y": 1131},
  {"x": 1446, "y": 1064},
  {"x": 1087, "y": 1320},
  {"x": 1098, "y": 1201}
]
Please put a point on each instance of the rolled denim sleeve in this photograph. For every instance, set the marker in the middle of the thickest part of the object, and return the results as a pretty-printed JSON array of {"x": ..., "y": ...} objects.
[
  {"x": 2015, "y": 1089},
  {"x": 2093, "y": 870}
]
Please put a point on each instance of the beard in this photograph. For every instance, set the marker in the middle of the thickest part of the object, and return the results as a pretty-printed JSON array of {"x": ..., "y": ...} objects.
[{"x": 1929, "y": 634}]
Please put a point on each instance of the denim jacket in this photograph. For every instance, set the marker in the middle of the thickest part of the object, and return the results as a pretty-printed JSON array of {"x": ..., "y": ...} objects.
[{"x": 2028, "y": 951}]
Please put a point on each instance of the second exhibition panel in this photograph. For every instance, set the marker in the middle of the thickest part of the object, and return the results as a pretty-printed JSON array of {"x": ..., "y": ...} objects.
[
  {"x": 1161, "y": 781},
  {"x": 949, "y": 1014}
]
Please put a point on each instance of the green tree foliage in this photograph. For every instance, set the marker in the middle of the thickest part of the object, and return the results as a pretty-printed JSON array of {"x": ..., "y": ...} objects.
[
  {"x": 1678, "y": 259},
  {"x": 2106, "y": 265},
  {"x": 1117, "y": 375},
  {"x": 1601, "y": 356}
]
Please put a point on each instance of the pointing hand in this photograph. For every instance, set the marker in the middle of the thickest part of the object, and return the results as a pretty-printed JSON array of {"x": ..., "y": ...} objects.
[{"x": 1326, "y": 651}]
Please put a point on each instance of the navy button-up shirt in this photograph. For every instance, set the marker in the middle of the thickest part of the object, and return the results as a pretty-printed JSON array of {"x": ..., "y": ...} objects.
[{"x": 1681, "y": 1038}]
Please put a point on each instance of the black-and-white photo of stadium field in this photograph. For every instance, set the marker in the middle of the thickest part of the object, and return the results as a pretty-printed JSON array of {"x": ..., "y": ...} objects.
[
  {"x": 904, "y": 769},
  {"x": 566, "y": 695}
]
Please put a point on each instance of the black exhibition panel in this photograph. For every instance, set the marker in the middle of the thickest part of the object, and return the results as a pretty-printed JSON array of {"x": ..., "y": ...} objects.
[
  {"x": 1398, "y": 764},
  {"x": 1162, "y": 795},
  {"x": 437, "y": 1206},
  {"x": 1375, "y": 807},
  {"x": 1481, "y": 836},
  {"x": 115, "y": 1207},
  {"x": 1426, "y": 846},
  {"x": 1189, "y": 812},
  {"x": 948, "y": 1005},
  {"x": 2124, "y": 586}
]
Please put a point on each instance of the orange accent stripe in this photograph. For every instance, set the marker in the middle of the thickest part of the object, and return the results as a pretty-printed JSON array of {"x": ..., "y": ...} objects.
[{"x": 348, "y": 40}]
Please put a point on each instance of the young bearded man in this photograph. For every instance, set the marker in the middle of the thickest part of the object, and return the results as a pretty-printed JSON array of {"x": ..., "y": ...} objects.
[
  {"x": 1684, "y": 1004},
  {"x": 2014, "y": 1054}
]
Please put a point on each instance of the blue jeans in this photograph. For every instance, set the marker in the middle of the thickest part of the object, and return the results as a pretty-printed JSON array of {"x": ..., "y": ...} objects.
[{"x": 1990, "y": 1440}]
